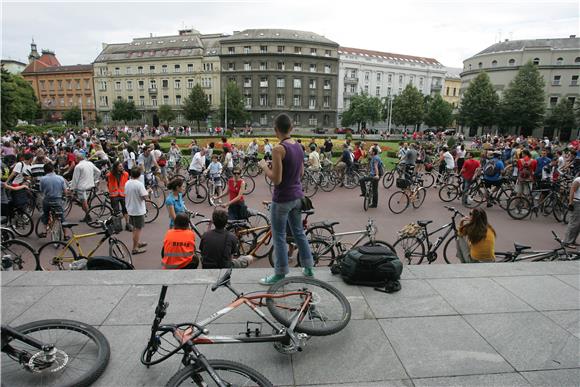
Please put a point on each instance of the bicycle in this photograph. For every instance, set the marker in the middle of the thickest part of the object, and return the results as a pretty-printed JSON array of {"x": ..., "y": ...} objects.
[
  {"x": 104, "y": 210},
  {"x": 53, "y": 226},
  {"x": 545, "y": 201},
  {"x": 53, "y": 352},
  {"x": 522, "y": 253},
  {"x": 412, "y": 192},
  {"x": 301, "y": 307},
  {"x": 19, "y": 221},
  {"x": 157, "y": 194},
  {"x": 18, "y": 255},
  {"x": 412, "y": 247},
  {"x": 56, "y": 254},
  {"x": 478, "y": 192},
  {"x": 368, "y": 197}
]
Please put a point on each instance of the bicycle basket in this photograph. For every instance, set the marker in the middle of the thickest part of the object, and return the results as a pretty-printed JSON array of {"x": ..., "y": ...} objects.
[
  {"x": 114, "y": 224},
  {"x": 410, "y": 230},
  {"x": 403, "y": 183}
]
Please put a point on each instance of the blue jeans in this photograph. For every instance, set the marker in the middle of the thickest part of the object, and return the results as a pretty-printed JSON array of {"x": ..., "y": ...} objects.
[{"x": 280, "y": 214}]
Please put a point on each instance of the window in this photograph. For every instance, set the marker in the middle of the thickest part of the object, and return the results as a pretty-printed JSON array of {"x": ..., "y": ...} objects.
[
  {"x": 312, "y": 84},
  {"x": 164, "y": 69},
  {"x": 494, "y": 63},
  {"x": 231, "y": 66},
  {"x": 190, "y": 83},
  {"x": 87, "y": 84},
  {"x": 281, "y": 49},
  {"x": 103, "y": 100},
  {"x": 379, "y": 77},
  {"x": 366, "y": 89},
  {"x": 247, "y": 49},
  {"x": 102, "y": 86},
  {"x": 367, "y": 74},
  {"x": 512, "y": 62},
  {"x": 69, "y": 84},
  {"x": 280, "y": 100},
  {"x": 248, "y": 101},
  {"x": 263, "y": 49},
  {"x": 281, "y": 66},
  {"x": 297, "y": 50},
  {"x": 327, "y": 53},
  {"x": 128, "y": 70},
  {"x": 447, "y": 90},
  {"x": 140, "y": 70},
  {"x": 536, "y": 61},
  {"x": 574, "y": 81},
  {"x": 455, "y": 91},
  {"x": 390, "y": 78},
  {"x": 480, "y": 65},
  {"x": 102, "y": 71},
  {"x": 190, "y": 67},
  {"x": 152, "y": 84},
  {"x": 312, "y": 51},
  {"x": 165, "y": 83},
  {"x": 165, "y": 100},
  {"x": 353, "y": 89},
  {"x": 556, "y": 81},
  {"x": 297, "y": 101},
  {"x": 152, "y": 69},
  {"x": 559, "y": 61},
  {"x": 400, "y": 79},
  {"x": 280, "y": 82},
  {"x": 572, "y": 100},
  {"x": 176, "y": 68},
  {"x": 411, "y": 79},
  {"x": 247, "y": 66},
  {"x": 327, "y": 69},
  {"x": 389, "y": 90},
  {"x": 42, "y": 85},
  {"x": 421, "y": 83},
  {"x": 296, "y": 119},
  {"x": 297, "y": 66},
  {"x": 312, "y": 68},
  {"x": 378, "y": 91},
  {"x": 247, "y": 82},
  {"x": 263, "y": 100},
  {"x": 70, "y": 101},
  {"x": 129, "y": 85},
  {"x": 231, "y": 50},
  {"x": 141, "y": 100},
  {"x": 312, "y": 102},
  {"x": 312, "y": 121},
  {"x": 59, "y": 84},
  {"x": 264, "y": 82},
  {"x": 153, "y": 100},
  {"x": 553, "y": 101},
  {"x": 177, "y": 84},
  {"x": 263, "y": 119},
  {"x": 326, "y": 101},
  {"x": 297, "y": 83},
  {"x": 141, "y": 85},
  {"x": 88, "y": 102},
  {"x": 263, "y": 66},
  {"x": 206, "y": 82},
  {"x": 326, "y": 84}
]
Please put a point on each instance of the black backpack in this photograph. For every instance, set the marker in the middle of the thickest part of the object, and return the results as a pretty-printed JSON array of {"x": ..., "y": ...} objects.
[
  {"x": 108, "y": 263},
  {"x": 376, "y": 266}
]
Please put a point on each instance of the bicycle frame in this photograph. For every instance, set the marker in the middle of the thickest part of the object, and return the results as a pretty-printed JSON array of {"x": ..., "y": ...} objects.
[
  {"x": 9, "y": 334},
  {"x": 75, "y": 239},
  {"x": 432, "y": 248},
  {"x": 337, "y": 238}
]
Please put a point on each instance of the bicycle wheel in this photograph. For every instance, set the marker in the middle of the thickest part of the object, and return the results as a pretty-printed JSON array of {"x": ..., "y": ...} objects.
[
  {"x": 351, "y": 180},
  {"x": 21, "y": 223},
  {"x": 67, "y": 205},
  {"x": 378, "y": 242},
  {"x": 266, "y": 248},
  {"x": 22, "y": 254},
  {"x": 250, "y": 185},
  {"x": 519, "y": 207},
  {"x": 327, "y": 183},
  {"x": 56, "y": 230},
  {"x": 411, "y": 248},
  {"x": 7, "y": 234},
  {"x": 99, "y": 213},
  {"x": 475, "y": 196},
  {"x": 448, "y": 193},
  {"x": 309, "y": 186},
  {"x": 157, "y": 196},
  {"x": 54, "y": 255},
  {"x": 450, "y": 246},
  {"x": 428, "y": 179},
  {"x": 319, "y": 232},
  {"x": 560, "y": 211},
  {"x": 419, "y": 198},
  {"x": 196, "y": 192},
  {"x": 40, "y": 228},
  {"x": 152, "y": 211},
  {"x": 504, "y": 196},
  {"x": 322, "y": 253},
  {"x": 328, "y": 312},
  {"x": 82, "y": 354},
  {"x": 388, "y": 179},
  {"x": 119, "y": 250},
  {"x": 231, "y": 374},
  {"x": 257, "y": 219},
  {"x": 398, "y": 202},
  {"x": 368, "y": 196}
]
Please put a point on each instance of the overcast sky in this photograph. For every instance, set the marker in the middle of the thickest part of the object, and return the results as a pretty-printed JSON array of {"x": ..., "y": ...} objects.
[{"x": 449, "y": 31}]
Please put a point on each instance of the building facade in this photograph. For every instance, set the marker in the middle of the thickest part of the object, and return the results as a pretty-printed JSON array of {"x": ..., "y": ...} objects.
[
  {"x": 157, "y": 71},
  {"x": 452, "y": 86},
  {"x": 382, "y": 74},
  {"x": 12, "y": 66},
  {"x": 280, "y": 70},
  {"x": 558, "y": 61},
  {"x": 60, "y": 88}
]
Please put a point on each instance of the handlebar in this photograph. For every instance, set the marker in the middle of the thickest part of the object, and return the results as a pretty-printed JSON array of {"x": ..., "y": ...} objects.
[{"x": 455, "y": 212}]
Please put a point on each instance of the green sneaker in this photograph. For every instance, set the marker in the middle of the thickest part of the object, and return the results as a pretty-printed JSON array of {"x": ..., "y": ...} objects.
[
  {"x": 272, "y": 279},
  {"x": 308, "y": 271}
]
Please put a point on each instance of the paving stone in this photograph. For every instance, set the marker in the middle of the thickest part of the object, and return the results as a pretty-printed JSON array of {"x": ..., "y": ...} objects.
[
  {"x": 16, "y": 300},
  {"x": 360, "y": 309},
  {"x": 542, "y": 292},
  {"x": 560, "y": 378},
  {"x": 477, "y": 295},
  {"x": 138, "y": 306},
  {"x": 572, "y": 280},
  {"x": 489, "y": 380},
  {"x": 88, "y": 304},
  {"x": 8, "y": 276},
  {"x": 416, "y": 298},
  {"x": 491, "y": 270},
  {"x": 567, "y": 319},
  {"x": 441, "y": 346},
  {"x": 382, "y": 383},
  {"x": 528, "y": 340},
  {"x": 332, "y": 359}
]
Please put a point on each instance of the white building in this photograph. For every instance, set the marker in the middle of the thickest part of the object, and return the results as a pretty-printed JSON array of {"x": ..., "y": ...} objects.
[
  {"x": 384, "y": 74},
  {"x": 13, "y": 66}
]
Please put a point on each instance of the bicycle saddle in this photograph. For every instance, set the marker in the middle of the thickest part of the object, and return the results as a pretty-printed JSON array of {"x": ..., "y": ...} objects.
[
  {"x": 69, "y": 224},
  {"x": 423, "y": 223},
  {"x": 520, "y": 248},
  {"x": 224, "y": 280},
  {"x": 329, "y": 224}
]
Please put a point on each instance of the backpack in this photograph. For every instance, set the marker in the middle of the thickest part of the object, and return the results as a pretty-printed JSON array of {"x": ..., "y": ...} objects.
[
  {"x": 490, "y": 168},
  {"x": 108, "y": 263},
  {"x": 370, "y": 266},
  {"x": 525, "y": 172},
  {"x": 381, "y": 168}
]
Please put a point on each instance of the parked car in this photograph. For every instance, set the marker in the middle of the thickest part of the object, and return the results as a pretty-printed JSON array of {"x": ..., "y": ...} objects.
[
  {"x": 320, "y": 131},
  {"x": 342, "y": 130},
  {"x": 449, "y": 132}
]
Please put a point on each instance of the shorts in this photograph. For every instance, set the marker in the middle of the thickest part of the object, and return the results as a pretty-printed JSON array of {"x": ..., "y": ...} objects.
[
  {"x": 137, "y": 221},
  {"x": 117, "y": 202},
  {"x": 523, "y": 187},
  {"x": 83, "y": 195},
  {"x": 489, "y": 183}
]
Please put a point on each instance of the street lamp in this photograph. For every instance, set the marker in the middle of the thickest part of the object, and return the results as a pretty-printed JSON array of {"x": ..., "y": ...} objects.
[{"x": 82, "y": 121}]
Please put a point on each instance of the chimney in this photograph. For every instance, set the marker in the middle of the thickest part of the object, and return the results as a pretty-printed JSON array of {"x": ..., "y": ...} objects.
[
  {"x": 150, "y": 34},
  {"x": 572, "y": 36}
]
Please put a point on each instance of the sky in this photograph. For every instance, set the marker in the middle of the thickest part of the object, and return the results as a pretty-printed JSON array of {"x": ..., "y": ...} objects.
[{"x": 447, "y": 30}]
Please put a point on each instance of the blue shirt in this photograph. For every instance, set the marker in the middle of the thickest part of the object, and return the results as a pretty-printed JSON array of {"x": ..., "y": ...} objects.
[
  {"x": 178, "y": 205},
  {"x": 52, "y": 186},
  {"x": 499, "y": 167},
  {"x": 374, "y": 161},
  {"x": 542, "y": 162}
]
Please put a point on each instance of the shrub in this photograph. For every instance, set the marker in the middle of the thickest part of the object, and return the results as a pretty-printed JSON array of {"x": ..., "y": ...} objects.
[{"x": 451, "y": 142}]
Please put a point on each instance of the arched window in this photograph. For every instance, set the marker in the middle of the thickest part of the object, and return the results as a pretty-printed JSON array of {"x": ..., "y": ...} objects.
[
  {"x": 536, "y": 61},
  {"x": 512, "y": 62},
  {"x": 479, "y": 65},
  {"x": 469, "y": 67},
  {"x": 494, "y": 63},
  {"x": 577, "y": 60},
  {"x": 559, "y": 61}
]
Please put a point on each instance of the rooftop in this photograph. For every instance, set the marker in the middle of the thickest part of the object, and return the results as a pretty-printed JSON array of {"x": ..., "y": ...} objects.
[
  {"x": 277, "y": 35},
  {"x": 388, "y": 56},
  {"x": 570, "y": 43}
]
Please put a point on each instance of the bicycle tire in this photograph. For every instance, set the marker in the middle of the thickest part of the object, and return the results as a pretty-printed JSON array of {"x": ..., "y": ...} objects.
[
  {"x": 196, "y": 192},
  {"x": 56, "y": 231},
  {"x": 258, "y": 219},
  {"x": 406, "y": 247},
  {"x": 21, "y": 223},
  {"x": 309, "y": 186},
  {"x": 351, "y": 180},
  {"x": 419, "y": 198},
  {"x": 250, "y": 185},
  {"x": 152, "y": 211},
  {"x": 448, "y": 193},
  {"x": 119, "y": 250},
  {"x": 519, "y": 208},
  {"x": 398, "y": 202},
  {"x": 7, "y": 234},
  {"x": 327, "y": 183},
  {"x": 446, "y": 252},
  {"x": 340, "y": 319},
  {"x": 252, "y": 170},
  {"x": 475, "y": 196},
  {"x": 560, "y": 211},
  {"x": 320, "y": 232},
  {"x": 388, "y": 179},
  {"x": 99, "y": 213},
  {"x": 322, "y": 252},
  {"x": 185, "y": 375},
  {"x": 37, "y": 228},
  {"x": 246, "y": 242},
  {"x": 58, "y": 252},
  {"x": 91, "y": 342},
  {"x": 378, "y": 242},
  {"x": 265, "y": 250},
  {"x": 158, "y": 196},
  {"x": 428, "y": 179},
  {"x": 368, "y": 196},
  {"x": 67, "y": 205},
  {"x": 24, "y": 257},
  {"x": 504, "y": 196}
]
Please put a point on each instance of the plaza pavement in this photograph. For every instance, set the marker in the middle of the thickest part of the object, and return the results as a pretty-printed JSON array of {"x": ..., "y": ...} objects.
[{"x": 451, "y": 325}]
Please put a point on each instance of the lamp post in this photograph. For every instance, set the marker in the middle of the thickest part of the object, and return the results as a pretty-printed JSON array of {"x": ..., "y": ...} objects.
[
  {"x": 226, "y": 110},
  {"x": 82, "y": 121},
  {"x": 389, "y": 113}
]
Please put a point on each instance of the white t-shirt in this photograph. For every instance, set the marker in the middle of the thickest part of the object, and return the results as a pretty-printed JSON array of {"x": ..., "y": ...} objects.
[
  {"x": 197, "y": 162},
  {"x": 561, "y": 163},
  {"x": 449, "y": 162},
  {"x": 577, "y": 193},
  {"x": 314, "y": 160},
  {"x": 22, "y": 169},
  {"x": 134, "y": 191},
  {"x": 460, "y": 153},
  {"x": 268, "y": 148},
  {"x": 228, "y": 161}
]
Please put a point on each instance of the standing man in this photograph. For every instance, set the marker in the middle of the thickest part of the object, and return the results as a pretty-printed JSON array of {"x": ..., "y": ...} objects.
[
  {"x": 328, "y": 148},
  {"x": 83, "y": 181},
  {"x": 53, "y": 188},
  {"x": 468, "y": 173},
  {"x": 526, "y": 168},
  {"x": 376, "y": 167},
  {"x": 492, "y": 171},
  {"x": 267, "y": 150},
  {"x": 574, "y": 207},
  {"x": 135, "y": 195}
]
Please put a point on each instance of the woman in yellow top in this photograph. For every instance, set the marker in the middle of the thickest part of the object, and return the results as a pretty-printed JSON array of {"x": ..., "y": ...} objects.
[{"x": 480, "y": 237}]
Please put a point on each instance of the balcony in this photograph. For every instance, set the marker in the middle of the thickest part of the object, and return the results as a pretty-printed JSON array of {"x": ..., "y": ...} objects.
[
  {"x": 152, "y": 90},
  {"x": 349, "y": 79},
  {"x": 436, "y": 87}
]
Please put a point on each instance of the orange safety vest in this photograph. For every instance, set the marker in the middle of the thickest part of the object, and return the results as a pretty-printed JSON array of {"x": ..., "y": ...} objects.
[
  {"x": 117, "y": 187},
  {"x": 178, "y": 249}
]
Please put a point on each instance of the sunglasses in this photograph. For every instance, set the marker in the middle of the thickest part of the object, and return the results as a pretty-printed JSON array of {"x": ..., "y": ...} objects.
[{"x": 237, "y": 173}]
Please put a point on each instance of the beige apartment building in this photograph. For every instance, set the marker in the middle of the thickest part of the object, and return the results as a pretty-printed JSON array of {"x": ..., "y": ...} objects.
[{"x": 157, "y": 70}]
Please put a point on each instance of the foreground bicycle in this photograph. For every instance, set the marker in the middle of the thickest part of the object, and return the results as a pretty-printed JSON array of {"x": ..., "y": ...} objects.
[
  {"x": 523, "y": 253},
  {"x": 301, "y": 306},
  {"x": 62, "y": 353}
]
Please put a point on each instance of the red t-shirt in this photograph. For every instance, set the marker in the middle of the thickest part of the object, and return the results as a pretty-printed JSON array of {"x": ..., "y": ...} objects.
[
  {"x": 469, "y": 168},
  {"x": 531, "y": 162},
  {"x": 227, "y": 145},
  {"x": 234, "y": 189},
  {"x": 357, "y": 154}
]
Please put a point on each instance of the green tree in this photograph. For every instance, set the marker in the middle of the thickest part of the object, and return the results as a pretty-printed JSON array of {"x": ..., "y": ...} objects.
[
  {"x": 166, "y": 114},
  {"x": 523, "y": 104},
  {"x": 124, "y": 111},
  {"x": 362, "y": 109},
  {"x": 408, "y": 107},
  {"x": 562, "y": 116},
  {"x": 236, "y": 110},
  {"x": 18, "y": 100},
  {"x": 439, "y": 113},
  {"x": 73, "y": 115},
  {"x": 196, "y": 106},
  {"x": 479, "y": 104}
]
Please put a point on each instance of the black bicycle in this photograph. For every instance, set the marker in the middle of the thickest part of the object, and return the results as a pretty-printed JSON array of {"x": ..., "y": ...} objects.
[
  {"x": 523, "y": 253},
  {"x": 53, "y": 353}
]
